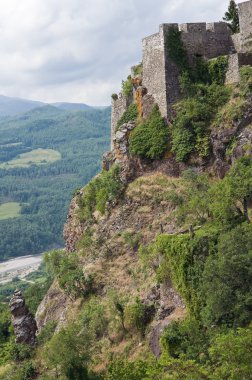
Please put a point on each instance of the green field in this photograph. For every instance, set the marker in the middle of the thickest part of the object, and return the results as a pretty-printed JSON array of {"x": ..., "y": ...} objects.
[
  {"x": 9, "y": 210},
  {"x": 34, "y": 157}
]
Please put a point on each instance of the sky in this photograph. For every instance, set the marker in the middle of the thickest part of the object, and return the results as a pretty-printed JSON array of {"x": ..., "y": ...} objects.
[{"x": 80, "y": 50}]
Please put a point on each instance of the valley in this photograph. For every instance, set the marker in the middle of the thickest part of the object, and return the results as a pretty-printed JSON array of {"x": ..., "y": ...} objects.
[{"x": 45, "y": 154}]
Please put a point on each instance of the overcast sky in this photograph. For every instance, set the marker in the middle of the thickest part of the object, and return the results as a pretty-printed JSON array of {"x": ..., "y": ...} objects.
[{"x": 80, "y": 50}]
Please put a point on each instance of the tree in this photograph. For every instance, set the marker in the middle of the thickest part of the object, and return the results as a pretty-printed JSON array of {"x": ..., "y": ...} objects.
[
  {"x": 240, "y": 182},
  {"x": 68, "y": 353},
  {"x": 227, "y": 279},
  {"x": 232, "y": 16},
  {"x": 231, "y": 355}
]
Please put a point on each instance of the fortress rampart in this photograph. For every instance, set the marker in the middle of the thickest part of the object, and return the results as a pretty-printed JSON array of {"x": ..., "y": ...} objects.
[{"x": 160, "y": 76}]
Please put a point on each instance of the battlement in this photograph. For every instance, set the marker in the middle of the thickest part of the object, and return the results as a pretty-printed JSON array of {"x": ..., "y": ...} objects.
[{"x": 199, "y": 27}]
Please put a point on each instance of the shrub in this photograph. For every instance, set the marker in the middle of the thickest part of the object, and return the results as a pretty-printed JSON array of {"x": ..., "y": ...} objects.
[
  {"x": 47, "y": 332},
  {"x": 227, "y": 279},
  {"x": 186, "y": 85},
  {"x": 182, "y": 143},
  {"x": 201, "y": 73},
  {"x": 68, "y": 352},
  {"x": 20, "y": 352},
  {"x": 68, "y": 271},
  {"x": 28, "y": 371},
  {"x": 94, "y": 318},
  {"x": 246, "y": 80},
  {"x": 137, "y": 316},
  {"x": 217, "y": 69},
  {"x": 138, "y": 69},
  {"x": 130, "y": 114},
  {"x": 127, "y": 87},
  {"x": 114, "y": 96},
  {"x": 150, "y": 138},
  {"x": 104, "y": 188},
  {"x": 125, "y": 370},
  {"x": 230, "y": 355},
  {"x": 193, "y": 118},
  {"x": 185, "y": 339}
]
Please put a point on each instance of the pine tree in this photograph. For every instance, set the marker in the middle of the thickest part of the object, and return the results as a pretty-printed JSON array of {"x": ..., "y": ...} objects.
[{"x": 232, "y": 16}]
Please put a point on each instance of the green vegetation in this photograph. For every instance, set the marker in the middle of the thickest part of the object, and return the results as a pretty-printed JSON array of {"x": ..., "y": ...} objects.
[
  {"x": 194, "y": 115},
  {"x": 207, "y": 256},
  {"x": 10, "y": 210},
  {"x": 137, "y": 316},
  {"x": 34, "y": 157},
  {"x": 103, "y": 189},
  {"x": 210, "y": 266},
  {"x": 246, "y": 80},
  {"x": 176, "y": 49},
  {"x": 138, "y": 69},
  {"x": 217, "y": 69},
  {"x": 129, "y": 115},
  {"x": 204, "y": 94},
  {"x": 33, "y": 293},
  {"x": 66, "y": 353},
  {"x": 44, "y": 191},
  {"x": 68, "y": 271},
  {"x": 127, "y": 87},
  {"x": 114, "y": 96},
  {"x": 150, "y": 138},
  {"x": 232, "y": 15},
  {"x": 211, "y": 269}
]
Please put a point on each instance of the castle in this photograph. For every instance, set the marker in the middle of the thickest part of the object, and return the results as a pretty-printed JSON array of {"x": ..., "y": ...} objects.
[{"x": 159, "y": 82}]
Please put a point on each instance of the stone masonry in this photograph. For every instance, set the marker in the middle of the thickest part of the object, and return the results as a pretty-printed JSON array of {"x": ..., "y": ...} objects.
[{"x": 160, "y": 76}]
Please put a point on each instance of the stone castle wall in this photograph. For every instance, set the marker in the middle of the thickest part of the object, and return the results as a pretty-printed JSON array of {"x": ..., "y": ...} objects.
[
  {"x": 207, "y": 40},
  {"x": 235, "y": 62},
  {"x": 119, "y": 106},
  {"x": 153, "y": 69},
  {"x": 245, "y": 16},
  {"x": 161, "y": 75}
]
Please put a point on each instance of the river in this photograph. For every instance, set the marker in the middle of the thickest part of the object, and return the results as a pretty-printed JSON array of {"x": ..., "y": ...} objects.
[{"x": 19, "y": 267}]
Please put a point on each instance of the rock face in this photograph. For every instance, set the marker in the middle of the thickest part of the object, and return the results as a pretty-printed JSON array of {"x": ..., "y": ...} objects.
[
  {"x": 53, "y": 307},
  {"x": 24, "y": 324}
]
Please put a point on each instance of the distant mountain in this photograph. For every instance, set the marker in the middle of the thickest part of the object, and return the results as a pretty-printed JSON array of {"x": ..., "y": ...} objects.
[
  {"x": 72, "y": 106},
  {"x": 13, "y": 106}
]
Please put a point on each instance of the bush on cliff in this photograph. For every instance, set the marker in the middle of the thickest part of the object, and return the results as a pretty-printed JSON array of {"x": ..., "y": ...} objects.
[
  {"x": 193, "y": 117},
  {"x": 150, "y": 138},
  {"x": 129, "y": 115},
  {"x": 68, "y": 271},
  {"x": 106, "y": 187},
  {"x": 227, "y": 279},
  {"x": 127, "y": 86},
  {"x": 246, "y": 80}
]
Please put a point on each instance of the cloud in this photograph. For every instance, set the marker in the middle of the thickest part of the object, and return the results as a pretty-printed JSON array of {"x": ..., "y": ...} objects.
[{"x": 79, "y": 50}]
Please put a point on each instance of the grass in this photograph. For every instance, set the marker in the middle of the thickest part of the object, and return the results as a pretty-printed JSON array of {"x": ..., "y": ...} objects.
[
  {"x": 10, "y": 210},
  {"x": 34, "y": 157}
]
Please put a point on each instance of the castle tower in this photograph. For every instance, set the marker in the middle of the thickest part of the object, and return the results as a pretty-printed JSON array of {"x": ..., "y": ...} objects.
[
  {"x": 245, "y": 16},
  {"x": 161, "y": 75}
]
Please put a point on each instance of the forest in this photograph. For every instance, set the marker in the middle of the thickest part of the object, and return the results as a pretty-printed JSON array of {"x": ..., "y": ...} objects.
[{"x": 44, "y": 188}]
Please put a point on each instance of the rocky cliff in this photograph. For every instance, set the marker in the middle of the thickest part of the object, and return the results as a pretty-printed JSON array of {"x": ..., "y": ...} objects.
[{"x": 144, "y": 210}]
